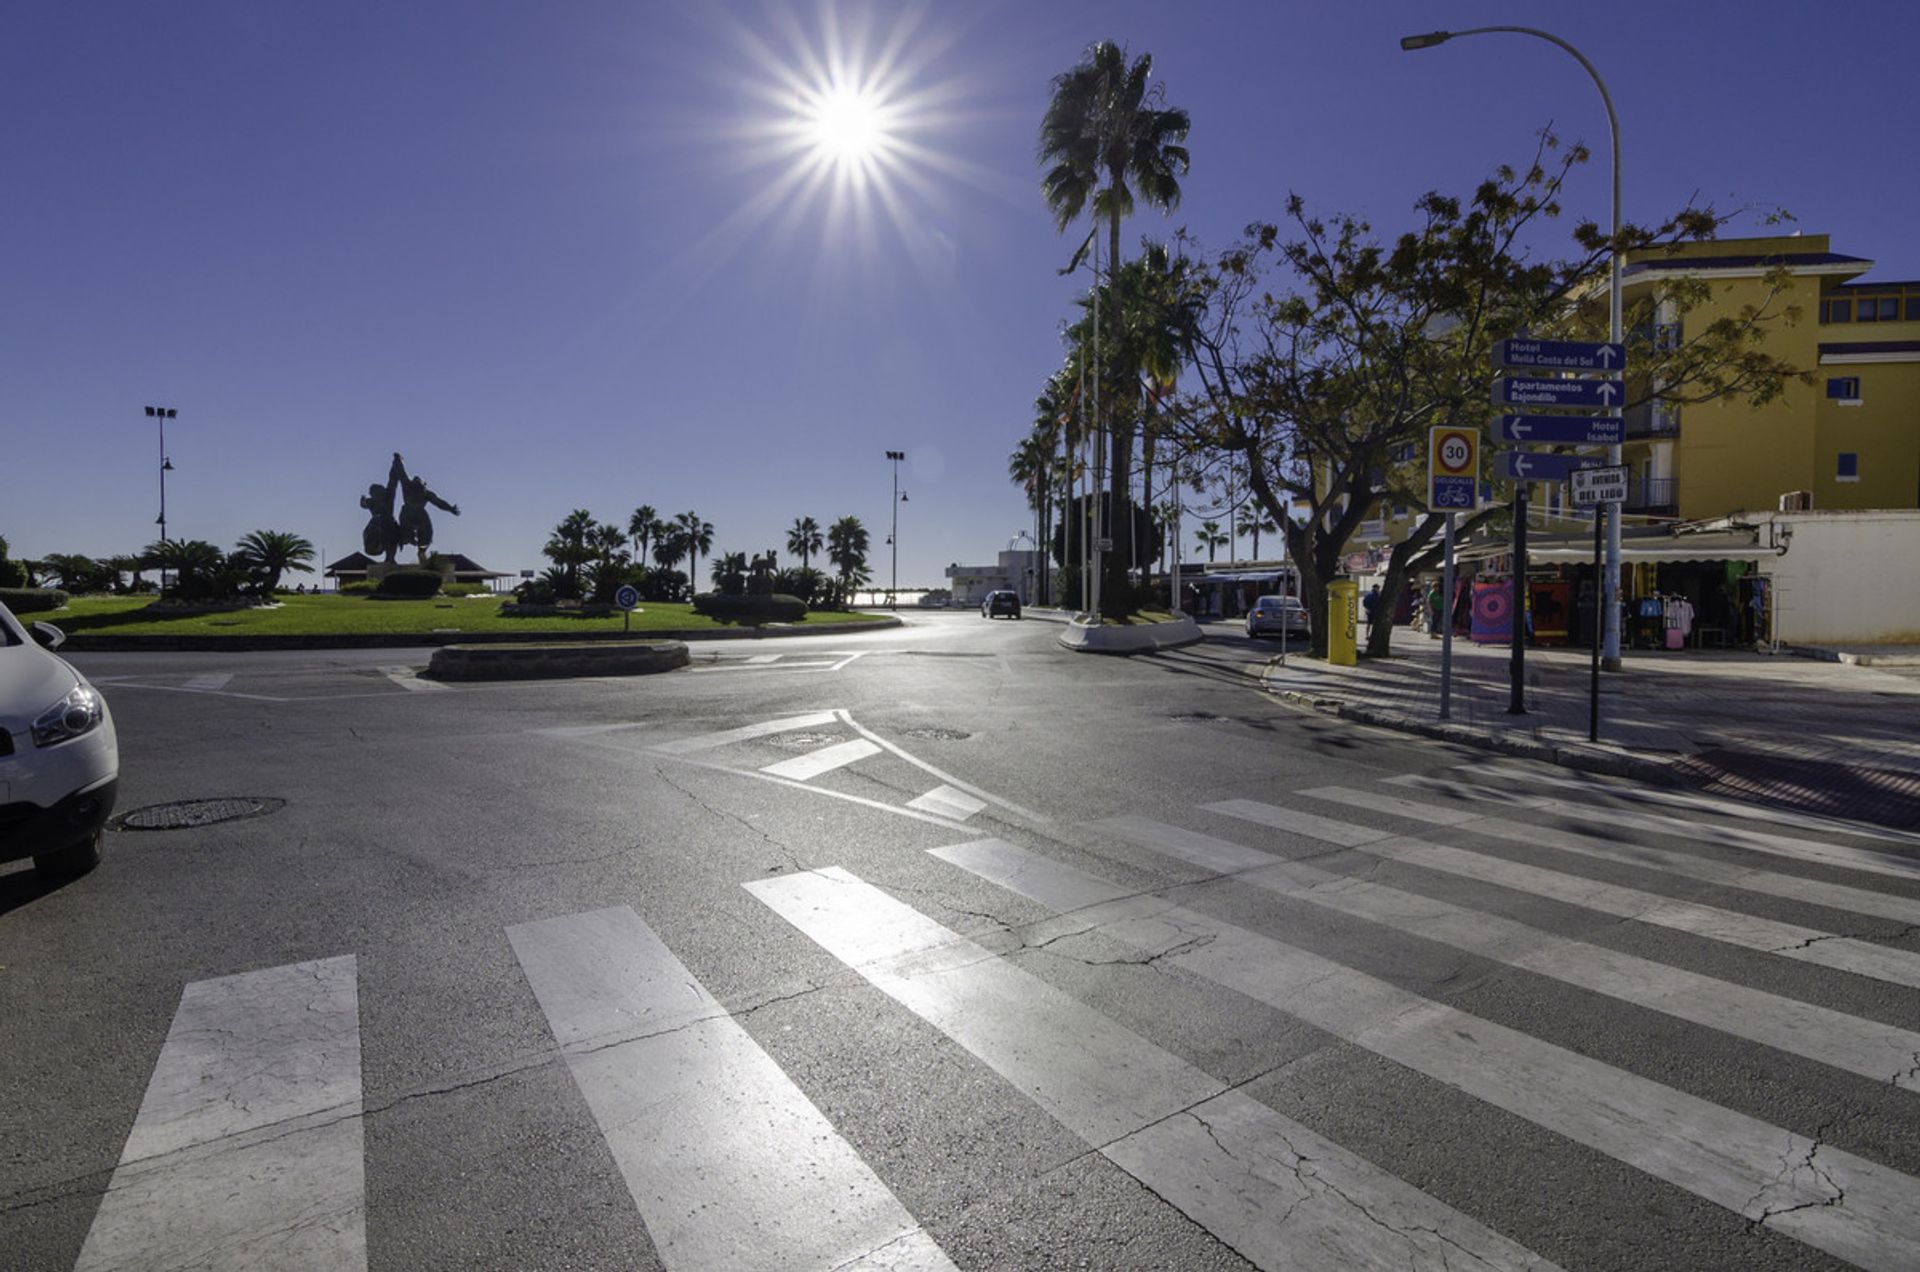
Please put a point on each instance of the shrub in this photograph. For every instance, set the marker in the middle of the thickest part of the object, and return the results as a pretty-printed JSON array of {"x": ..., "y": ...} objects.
[
  {"x": 12, "y": 573},
  {"x": 412, "y": 582},
  {"x": 534, "y": 592},
  {"x": 663, "y": 585},
  {"x": 750, "y": 609},
  {"x": 32, "y": 600},
  {"x": 359, "y": 587},
  {"x": 463, "y": 589}
]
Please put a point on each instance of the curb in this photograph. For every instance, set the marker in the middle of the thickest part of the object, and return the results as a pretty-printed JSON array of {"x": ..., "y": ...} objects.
[
  {"x": 1137, "y": 638},
  {"x": 545, "y": 662},
  {"x": 1659, "y": 772},
  {"x": 1819, "y": 654},
  {"x": 87, "y": 642}
]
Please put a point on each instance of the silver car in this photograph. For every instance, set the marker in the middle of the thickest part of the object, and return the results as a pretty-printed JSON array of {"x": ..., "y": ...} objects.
[{"x": 1276, "y": 615}]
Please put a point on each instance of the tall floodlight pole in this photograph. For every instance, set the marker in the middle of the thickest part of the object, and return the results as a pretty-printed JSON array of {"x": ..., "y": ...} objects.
[
  {"x": 893, "y": 540},
  {"x": 1610, "y": 594},
  {"x": 160, "y": 415}
]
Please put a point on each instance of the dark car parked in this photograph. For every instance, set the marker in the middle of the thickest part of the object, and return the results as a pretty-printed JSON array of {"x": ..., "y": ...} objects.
[{"x": 998, "y": 603}]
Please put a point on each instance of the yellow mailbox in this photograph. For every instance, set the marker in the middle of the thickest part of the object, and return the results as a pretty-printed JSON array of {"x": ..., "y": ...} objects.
[{"x": 1343, "y": 623}]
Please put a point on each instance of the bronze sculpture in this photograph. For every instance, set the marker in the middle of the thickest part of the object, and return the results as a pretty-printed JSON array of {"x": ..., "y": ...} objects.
[{"x": 385, "y": 534}]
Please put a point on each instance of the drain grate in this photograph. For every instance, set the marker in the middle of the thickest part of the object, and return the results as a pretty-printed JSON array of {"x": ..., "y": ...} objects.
[
  {"x": 1198, "y": 717},
  {"x": 186, "y": 814},
  {"x": 939, "y": 735},
  {"x": 803, "y": 741}
]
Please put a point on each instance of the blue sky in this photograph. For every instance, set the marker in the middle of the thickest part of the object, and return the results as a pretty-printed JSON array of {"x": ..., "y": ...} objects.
[{"x": 556, "y": 254}]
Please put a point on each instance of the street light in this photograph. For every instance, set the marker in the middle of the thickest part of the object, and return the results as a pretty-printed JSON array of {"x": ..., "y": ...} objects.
[
  {"x": 161, "y": 414},
  {"x": 893, "y": 540},
  {"x": 1610, "y": 595}
]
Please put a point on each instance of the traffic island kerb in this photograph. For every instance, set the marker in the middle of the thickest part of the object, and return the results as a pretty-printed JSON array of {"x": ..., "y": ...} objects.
[{"x": 552, "y": 661}]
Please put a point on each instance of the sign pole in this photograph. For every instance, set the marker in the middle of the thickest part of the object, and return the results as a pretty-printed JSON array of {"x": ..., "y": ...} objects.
[
  {"x": 1517, "y": 696},
  {"x": 1599, "y": 622},
  {"x": 1446, "y": 623}
]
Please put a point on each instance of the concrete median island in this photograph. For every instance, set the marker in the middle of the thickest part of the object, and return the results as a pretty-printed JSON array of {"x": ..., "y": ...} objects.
[{"x": 555, "y": 660}]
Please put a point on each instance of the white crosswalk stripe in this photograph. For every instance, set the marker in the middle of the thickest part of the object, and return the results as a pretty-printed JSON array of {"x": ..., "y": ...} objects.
[
  {"x": 746, "y": 733},
  {"x": 1769, "y": 936},
  {"x": 1719, "y": 1154},
  {"x": 1264, "y": 1184},
  {"x": 729, "y": 1162},
  {"x": 248, "y": 1150},
  {"x": 804, "y": 768},
  {"x": 1883, "y": 1053},
  {"x": 209, "y": 682},
  {"x": 948, "y": 801}
]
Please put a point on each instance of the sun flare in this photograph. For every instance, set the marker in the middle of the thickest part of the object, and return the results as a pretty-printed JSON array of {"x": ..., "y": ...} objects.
[{"x": 846, "y": 125}]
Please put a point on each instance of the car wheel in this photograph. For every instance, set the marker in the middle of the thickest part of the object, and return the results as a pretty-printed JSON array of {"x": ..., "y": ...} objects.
[{"x": 71, "y": 861}]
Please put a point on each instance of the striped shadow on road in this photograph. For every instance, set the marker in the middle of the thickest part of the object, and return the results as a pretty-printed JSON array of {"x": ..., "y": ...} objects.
[
  {"x": 1882, "y": 1053},
  {"x": 248, "y": 1149},
  {"x": 1768, "y": 936},
  {"x": 1764, "y": 1173},
  {"x": 1265, "y": 1185},
  {"x": 729, "y": 1163}
]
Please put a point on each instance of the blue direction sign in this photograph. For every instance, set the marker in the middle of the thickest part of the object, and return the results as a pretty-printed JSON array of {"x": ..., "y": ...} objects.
[
  {"x": 1586, "y": 395},
  {"x": 1533, "y": 466},
  {"x": 1560, "y": 430},
  {"x": 1559, "y": 355}
]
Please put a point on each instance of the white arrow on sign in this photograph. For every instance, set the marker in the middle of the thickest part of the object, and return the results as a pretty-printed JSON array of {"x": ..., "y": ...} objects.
[
  {"x": 1519, "y": 431},
  {"x": 1606, "y": 391},
  {"x": 1606, "y": 355},
  {"x": 1522, "y": 466}
]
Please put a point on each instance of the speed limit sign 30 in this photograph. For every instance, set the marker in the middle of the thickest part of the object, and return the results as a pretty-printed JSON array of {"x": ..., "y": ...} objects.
[{"x": 1453, "y": 468}]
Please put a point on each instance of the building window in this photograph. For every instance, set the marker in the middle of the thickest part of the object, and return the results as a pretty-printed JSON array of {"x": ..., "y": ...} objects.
[
  {"x": 1913, "y": 307},
  {"x": 1849, "y": 467},
  {"x": 1844, "y": 388},
  {"x": 1877, "y": 309},
  {"x": 1836, "y": 311}
]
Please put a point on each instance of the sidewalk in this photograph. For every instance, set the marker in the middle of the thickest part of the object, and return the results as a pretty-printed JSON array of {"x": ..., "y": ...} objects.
[{"x": 1828, "y": 737}]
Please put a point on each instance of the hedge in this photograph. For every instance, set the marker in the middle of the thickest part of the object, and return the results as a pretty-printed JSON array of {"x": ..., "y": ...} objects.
[
  {"x": 410, "y": 582},
  {"x": 751, "y": 609},
  {"x": 33, "y": 600}
]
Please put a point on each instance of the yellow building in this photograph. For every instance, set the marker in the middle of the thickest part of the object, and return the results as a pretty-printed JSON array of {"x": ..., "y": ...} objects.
[{"x": 1850, "y": 440}]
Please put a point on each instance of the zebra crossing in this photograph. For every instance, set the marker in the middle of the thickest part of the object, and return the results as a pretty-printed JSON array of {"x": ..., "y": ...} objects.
[{"x": 248, "y": 1149}]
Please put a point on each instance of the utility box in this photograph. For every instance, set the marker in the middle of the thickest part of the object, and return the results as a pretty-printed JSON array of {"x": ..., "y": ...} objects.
[{"x": 1343, "y": 623}]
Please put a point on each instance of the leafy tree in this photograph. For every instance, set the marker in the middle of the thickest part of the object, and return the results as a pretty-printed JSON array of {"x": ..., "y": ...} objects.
[
  {"x": 847, "y": 546},
  {"x": 804, "y": 539},
  {"x": 572, "y": 546},
  {"x": 267, "y": 554},
  {"x": 1106, "y": 135},
  {"x": 12, "y": 573},
  {"x": 200, "y": 570},
  {"x": 1320, "y": 386},
  {"x": 643, "y": 527},
  {"x": 696, "y": 536},
  {"x": 1211, "y": 537}
]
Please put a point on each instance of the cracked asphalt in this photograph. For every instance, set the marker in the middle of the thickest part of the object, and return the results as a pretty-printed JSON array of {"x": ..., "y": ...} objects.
[{"x": 419, "y": 826}]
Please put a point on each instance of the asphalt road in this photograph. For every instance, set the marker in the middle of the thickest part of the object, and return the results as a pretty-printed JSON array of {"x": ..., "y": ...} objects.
[{"x": 929, "y": 947}]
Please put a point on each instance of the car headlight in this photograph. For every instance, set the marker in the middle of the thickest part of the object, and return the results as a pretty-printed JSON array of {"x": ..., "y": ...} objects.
[{"x": 80, "y": 712}]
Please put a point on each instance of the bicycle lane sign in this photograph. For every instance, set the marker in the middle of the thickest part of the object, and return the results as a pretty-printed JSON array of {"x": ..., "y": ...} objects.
[{"x": 1453, "y": 468}]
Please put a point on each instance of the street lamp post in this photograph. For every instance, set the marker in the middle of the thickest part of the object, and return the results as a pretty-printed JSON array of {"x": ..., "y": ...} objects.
[
  {"x": 160, "y": 415},
  {"x": 1610, "y": 596},
  {"x": 893, "y": 539}
]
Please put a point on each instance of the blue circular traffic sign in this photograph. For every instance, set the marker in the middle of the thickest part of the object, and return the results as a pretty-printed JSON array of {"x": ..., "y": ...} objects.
[{"x": 627, "y": 597}]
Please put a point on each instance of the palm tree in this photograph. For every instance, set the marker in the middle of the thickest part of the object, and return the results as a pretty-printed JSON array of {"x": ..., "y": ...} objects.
[
  {"x": 803, "y": 540},
  {"x": 1211, "y": 536},
  {"x": 572, "y": 547},
  {"x": 847, "y": 544},
  {"x": 1107, "y": 133},
  {"x": 698, "y": 537},
  {"x": 642, "y": 527},
  {"x": 730, "y": 572},
  {"x": 268, "y": 554},
  {"x": 194, "y": 562},
  {"x": 1257, "y": 523}
]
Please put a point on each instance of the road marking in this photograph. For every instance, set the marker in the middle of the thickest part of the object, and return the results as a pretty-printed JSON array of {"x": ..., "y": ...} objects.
[
  {"x": 1262, "y": 1183},
  {"x": 218, "y": 693},
  {"x": 746, "y": 733},
  {"x": 1836, "y": 896},
  {"x": 1346, "y": 834},
  {"x": 1764, "y": 1173},
  {"x": 1769, "y": 936},
  {"x": 1883, "y": 1053},
  {"x": 248, "y": 1149},
  {"x": 948, "y": 801},
  {"x": 804, "y": 768},
  {"x": 729, "y": 1162},
  {"x": 1429, "y": 814},
  {"x": 1672, "y": 799},
  {"x": 1040, "y": 819},
  {"x": 761, "y": 660},
  {"x": 408, "y": 678},
  {"x": 213, "y": 680}
]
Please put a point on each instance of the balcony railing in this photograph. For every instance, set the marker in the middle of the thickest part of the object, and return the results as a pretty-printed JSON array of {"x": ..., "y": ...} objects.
[
  {"x": 1650, "y": 420},
  {"x": 1653, "y": 494}
]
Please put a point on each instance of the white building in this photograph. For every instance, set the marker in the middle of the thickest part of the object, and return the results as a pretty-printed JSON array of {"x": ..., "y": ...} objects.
[{"x": 1016, "y": 571}]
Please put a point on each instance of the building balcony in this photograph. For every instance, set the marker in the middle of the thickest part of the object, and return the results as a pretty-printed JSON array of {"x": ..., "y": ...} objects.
[
  {"x": 1650, "y": 421},
  {"x": 1656, "y": 496}
]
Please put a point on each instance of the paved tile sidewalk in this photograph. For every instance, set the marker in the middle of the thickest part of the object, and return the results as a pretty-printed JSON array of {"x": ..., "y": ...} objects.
[{"x": 1823, "y": 736}]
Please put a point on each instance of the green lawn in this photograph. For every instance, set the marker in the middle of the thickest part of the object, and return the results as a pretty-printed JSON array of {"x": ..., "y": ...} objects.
[{"x": 351, "y": 615}]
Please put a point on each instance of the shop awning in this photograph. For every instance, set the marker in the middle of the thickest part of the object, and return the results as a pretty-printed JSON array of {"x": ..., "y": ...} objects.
[
  {"x": 1737, "y": 545},
  {"x": 1238, "y": 576}
]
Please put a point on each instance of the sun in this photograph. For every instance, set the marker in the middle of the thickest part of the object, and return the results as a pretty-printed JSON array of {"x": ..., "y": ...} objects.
[{"x": 846, "y": 126}]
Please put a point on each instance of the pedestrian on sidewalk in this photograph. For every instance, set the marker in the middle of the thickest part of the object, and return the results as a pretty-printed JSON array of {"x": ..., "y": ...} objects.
[{"x": 1436, "y": 616}]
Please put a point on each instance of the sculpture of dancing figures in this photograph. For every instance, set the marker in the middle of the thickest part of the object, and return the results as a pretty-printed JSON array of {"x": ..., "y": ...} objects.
[
  {"x": 415, "y": 526},
  {"x": 381, "y": 538}
]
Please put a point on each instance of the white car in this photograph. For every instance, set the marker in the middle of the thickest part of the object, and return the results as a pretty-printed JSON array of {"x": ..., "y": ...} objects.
[{"x": 59, "y": 758}]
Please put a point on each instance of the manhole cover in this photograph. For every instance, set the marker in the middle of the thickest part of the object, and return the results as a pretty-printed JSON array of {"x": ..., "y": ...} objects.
[
  {"x": 803, "y": 741},
  {"x": 184, "y": 814},
  {"x": 939, "y": 735}
]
